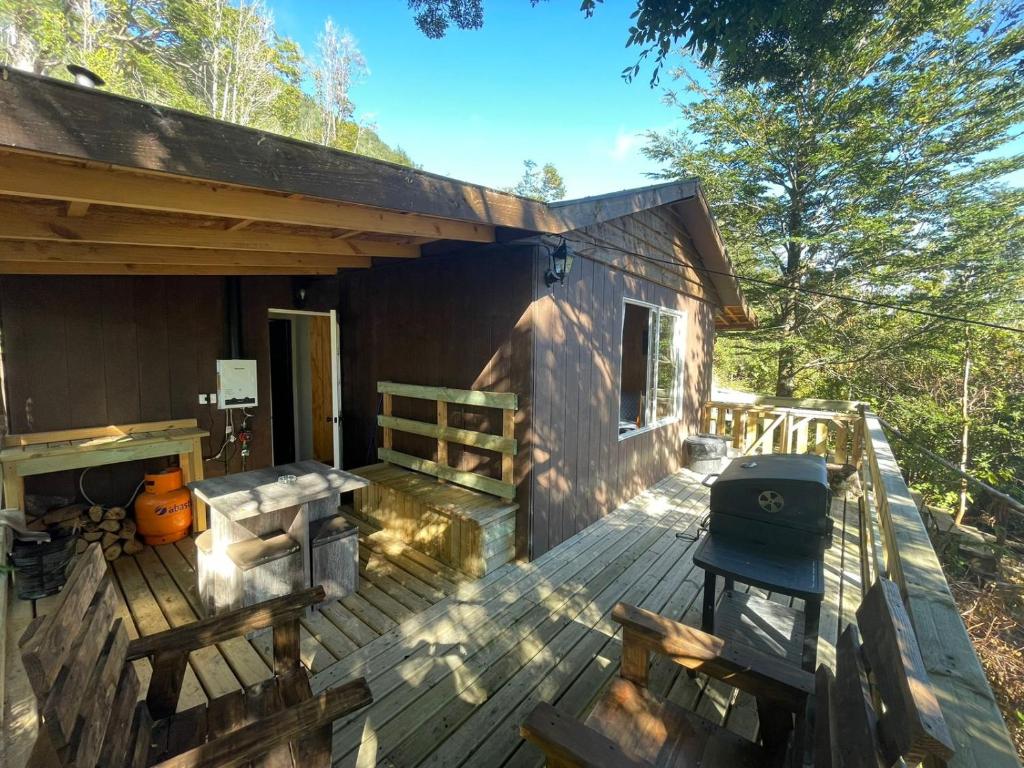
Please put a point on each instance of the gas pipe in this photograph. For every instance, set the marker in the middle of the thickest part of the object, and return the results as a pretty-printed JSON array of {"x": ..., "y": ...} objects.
[{"x": 163, "y": 512}]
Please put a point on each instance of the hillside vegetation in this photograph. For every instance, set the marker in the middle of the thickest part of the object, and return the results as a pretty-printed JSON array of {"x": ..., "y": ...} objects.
[{"x": 212, "y": 57}]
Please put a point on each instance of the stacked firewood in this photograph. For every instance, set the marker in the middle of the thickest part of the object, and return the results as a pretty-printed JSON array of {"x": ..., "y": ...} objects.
[{"x": 112, "y": 527}]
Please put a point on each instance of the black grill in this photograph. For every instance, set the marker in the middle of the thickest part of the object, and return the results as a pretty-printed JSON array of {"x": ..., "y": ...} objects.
[{"x": 780, "y": 502}]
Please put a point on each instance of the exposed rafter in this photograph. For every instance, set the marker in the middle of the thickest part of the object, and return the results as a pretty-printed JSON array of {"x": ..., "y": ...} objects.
[
  {"x": 30, "y": 222},
  {"x": 77, "y": 256},
  {"x": 38, "y": 177}
]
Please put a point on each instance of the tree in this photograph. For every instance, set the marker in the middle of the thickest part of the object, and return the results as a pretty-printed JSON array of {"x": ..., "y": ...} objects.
[
  {"x": 544, "y": 184},
  {"x": 849, "y": 181},
  {"x": 221, "y": 58},
  {"x": 339, "y": 63},
  {"x": 780, "y": 41}
]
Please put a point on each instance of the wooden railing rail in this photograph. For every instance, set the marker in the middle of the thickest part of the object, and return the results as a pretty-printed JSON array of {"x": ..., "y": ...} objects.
[
  {"x": 505, "y": 443},
  {"x": 760, "y": 428},
  {"x": 896, "y": 544}
]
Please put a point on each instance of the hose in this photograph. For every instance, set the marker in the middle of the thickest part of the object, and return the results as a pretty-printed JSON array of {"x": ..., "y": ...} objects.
[{"x": 126, "y": 505}]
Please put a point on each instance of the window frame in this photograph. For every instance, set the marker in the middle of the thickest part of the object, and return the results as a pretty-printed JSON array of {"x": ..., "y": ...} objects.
[{"x": 679, "y": 347}]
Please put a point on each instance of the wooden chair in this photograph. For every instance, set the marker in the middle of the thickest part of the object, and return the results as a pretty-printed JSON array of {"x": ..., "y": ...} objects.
[
  {"x": 78, "y": 661},
  {"x": 877, "y": 710}
]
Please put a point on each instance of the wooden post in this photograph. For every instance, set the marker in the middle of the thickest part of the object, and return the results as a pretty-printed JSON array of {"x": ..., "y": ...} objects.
[
  {"x": 739, "y": 427},
  {"x": 286, "y": 647},
  {"x": 442, "y": 444},
  {"x": 720, "y": 421},
  {"x": 821, "y": 438},
  {"x": 635, "y": 662},
  {"x": 387, "y": 430},
  {"x": 784, "y": 434},
  {"x": 508, "y": 430},
  {"x": 753, "y": 419},
  {"x": 858, "y": 442},
  {"x": 802, "y": 429},
  {"x": 165, "y": 684},
  {"x": 842, "y": 438}
]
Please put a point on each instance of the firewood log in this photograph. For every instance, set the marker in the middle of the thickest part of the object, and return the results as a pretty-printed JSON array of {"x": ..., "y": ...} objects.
[
  {"x": 115, "y": 513},
  {"x": 110, "y": 525},
  {"x": 95, "y": 513},
  {"x": 80, "y": 546},
  {"x": 64, "y": 515},
  {"x": 92, "y": 535},
  {"x": 132, "y": 546},
  {"x": 108, "y": 539},
  {"x": 112, "y": 552},
  {"x": 128, "y": 528}
]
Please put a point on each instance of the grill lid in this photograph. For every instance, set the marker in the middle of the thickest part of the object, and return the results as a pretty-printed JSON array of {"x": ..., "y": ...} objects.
[{"x": 787, "y": 490}]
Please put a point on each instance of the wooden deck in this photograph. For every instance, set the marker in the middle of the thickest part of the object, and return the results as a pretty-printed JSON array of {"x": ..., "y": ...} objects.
[
  {"x": 455, "y": 665},
  {"x": 158, "y": 587},
  {"x": 452, "y": 684}
]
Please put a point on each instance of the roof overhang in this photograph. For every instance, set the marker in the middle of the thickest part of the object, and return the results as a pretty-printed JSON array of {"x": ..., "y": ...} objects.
[{"x": 171, "y": 191}]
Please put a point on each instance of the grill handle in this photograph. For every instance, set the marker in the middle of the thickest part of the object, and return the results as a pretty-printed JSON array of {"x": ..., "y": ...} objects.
[{"x": 709, "y": 480}]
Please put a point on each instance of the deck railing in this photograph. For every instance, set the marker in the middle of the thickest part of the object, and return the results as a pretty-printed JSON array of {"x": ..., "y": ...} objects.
[{"x": 894, "y": 543}]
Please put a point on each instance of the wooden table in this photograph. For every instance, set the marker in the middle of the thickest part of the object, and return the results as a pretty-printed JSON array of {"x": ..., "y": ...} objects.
[
  {"x": 40, "y": 452},
  {"x": 754, "y": 564},
  {"x": 250, "y": 506}
]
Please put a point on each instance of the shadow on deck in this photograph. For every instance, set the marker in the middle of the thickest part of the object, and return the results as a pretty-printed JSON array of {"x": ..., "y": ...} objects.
[{"x": 452, "y": 685}]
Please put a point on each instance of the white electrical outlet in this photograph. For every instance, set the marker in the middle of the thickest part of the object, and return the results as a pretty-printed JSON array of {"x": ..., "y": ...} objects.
[
  {"x": 213, "y": 398},
  {"x": 203, "y": 399}
]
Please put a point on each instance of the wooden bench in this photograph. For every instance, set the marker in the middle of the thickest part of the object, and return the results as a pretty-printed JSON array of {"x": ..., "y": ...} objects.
[
  {"x": 78, "y": 661},
  {"x": 467, "y": 522},
  {"x": 878, "y": 708}
]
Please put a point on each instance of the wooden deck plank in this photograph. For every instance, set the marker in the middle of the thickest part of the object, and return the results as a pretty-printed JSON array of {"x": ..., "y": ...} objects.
[
  {"x": 243, "y": 659},
  {"x": 211, "y": 668},
  {"x": 498, "y": 643},
  {"x": 456, "y": 664},
  {"x": 144, "y": 617},
  {"x": 518, "y": 629},
  {"x": 492, "y": 732},
  {"x": 392, "y": 647},
  {"x": 355, "y": 630}
]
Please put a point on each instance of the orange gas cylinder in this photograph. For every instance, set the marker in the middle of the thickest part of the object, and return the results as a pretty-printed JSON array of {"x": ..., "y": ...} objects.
[{"x": 163, "y": 512}]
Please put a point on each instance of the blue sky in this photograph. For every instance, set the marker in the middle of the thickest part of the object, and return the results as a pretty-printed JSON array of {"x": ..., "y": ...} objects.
[
  {"x": 540, "y": 83},
  {"x": 536, "y": 82}
]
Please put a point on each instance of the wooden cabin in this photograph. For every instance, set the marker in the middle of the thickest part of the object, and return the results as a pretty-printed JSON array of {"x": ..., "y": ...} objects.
[
  {"x": 140, "y": 245},
  {"x": 545, "y": 360}
]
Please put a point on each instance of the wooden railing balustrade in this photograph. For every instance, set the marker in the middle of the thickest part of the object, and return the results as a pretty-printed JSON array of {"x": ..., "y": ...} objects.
[
  {"x": 768, "y": 427},
  {"x": 894, "y": 544}
]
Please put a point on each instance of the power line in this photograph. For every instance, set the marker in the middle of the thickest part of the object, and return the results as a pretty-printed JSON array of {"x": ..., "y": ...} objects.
[{"x": 811, "y": 291}]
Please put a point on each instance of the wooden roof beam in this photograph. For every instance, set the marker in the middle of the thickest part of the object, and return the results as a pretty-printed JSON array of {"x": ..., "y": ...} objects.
[
  {"x": 26, "y": 222},
  {"x": 51, "y": 268},
  {"x": 75, "y": 255},
  {"x": 35, "y": 176}
]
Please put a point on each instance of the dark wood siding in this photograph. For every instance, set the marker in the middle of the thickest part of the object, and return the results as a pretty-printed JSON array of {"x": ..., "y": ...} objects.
[
  {"x": 461, "y": 320},
  {"x": 89, "y": 351},
  {"x": 582, "y": 471}
]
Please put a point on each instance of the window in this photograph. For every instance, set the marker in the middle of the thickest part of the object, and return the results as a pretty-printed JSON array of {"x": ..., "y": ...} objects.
[{"x": 650, "y": 388}]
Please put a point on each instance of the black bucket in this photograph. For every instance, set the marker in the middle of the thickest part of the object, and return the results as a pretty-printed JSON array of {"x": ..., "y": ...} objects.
[{"x": 41, "y": 568}]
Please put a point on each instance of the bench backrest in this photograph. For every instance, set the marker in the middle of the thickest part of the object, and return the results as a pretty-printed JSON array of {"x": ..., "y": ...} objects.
[
  {"x": 879, "y": 707},
  {"x": 74, "y": 658},
  {"x": 505, "y": 443}
]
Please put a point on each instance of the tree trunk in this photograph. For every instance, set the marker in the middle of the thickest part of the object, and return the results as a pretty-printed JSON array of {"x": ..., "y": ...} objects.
[{"x": 965, "y": 436}]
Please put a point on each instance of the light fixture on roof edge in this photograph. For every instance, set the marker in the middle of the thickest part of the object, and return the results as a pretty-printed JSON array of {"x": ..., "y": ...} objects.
[{"x": 560, "y": 266}]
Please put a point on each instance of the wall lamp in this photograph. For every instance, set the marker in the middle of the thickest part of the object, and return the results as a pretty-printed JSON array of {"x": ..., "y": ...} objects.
[{"x": 560, "y": 266}]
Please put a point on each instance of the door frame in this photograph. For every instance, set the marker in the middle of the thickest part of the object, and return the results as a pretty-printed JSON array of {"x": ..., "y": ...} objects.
[{"x": 285, "y": 314}]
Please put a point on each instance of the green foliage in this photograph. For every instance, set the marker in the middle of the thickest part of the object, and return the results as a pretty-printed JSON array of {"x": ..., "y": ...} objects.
[
  {"x": 879, "y": 178},
  {"x": 544, "y": 184},
  {"x": 213, "y": 57}
]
